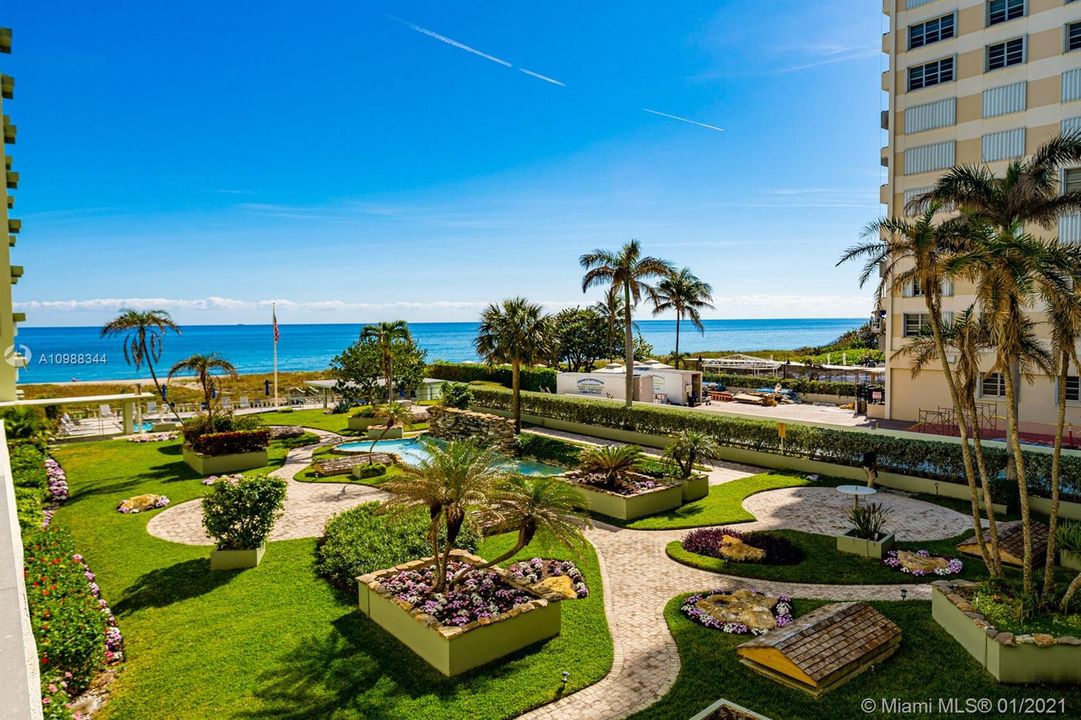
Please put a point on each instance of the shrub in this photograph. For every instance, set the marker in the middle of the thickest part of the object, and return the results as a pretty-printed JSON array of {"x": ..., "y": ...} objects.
[
  {"x": 1068, "y": 536},
  {"x": 457, "y": 395},
  {"x": 535, "y": 379},
  {"x": 227, "y": 443},
  {"x": 240, "y": 514},
  {"x": 934, "y": 459},
  {"x": 369, "y": 471},
  {"x": 30, "y": 479},
  {"x": 548, "y": 449},
  {"x": 800, "y": 385},
  {"x": 24, "y": 423},
  {"x": 867, "y": 520},
  {"x": 779, "y": 550},
  {"x": 194, "y": 427},
  {"x": 363, "y": 539}
]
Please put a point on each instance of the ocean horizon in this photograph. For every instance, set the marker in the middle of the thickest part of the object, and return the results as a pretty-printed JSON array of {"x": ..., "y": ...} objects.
[{"x": 62, "y": 354}]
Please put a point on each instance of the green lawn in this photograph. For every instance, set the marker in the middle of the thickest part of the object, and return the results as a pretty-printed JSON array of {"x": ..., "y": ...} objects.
[
  {"x": 277, "y": 641},
  {"x": 318, "y": 419},
  {"x": 723, "y": 505},
  {"x": 824, "y": 564},
  {"x": 929, "y": 664}
]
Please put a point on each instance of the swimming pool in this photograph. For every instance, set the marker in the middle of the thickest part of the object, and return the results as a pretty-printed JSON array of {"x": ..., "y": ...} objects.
[{"x": 412, "y": 452}]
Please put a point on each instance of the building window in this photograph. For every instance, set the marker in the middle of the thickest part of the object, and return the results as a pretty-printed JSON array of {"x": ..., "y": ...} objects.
[
  {"x": 1005, "y": 54},
  {"x": 933, "y": 73},
  {"x": 931, "y": 31},
  {"x": 916, "y": 323},
  {"x": 993, "y": 385},
  {"x": 1073, "y": 388},
  {"x": 999, "y": 11},
  {"x": 1073, "y": 36},
  {"x": 1071, "y": 180}
]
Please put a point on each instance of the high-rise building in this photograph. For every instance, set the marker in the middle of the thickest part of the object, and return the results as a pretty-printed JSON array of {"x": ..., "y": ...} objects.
[
  {"x": 970, "y": 82},
  {"x": 11, "y": 360}
]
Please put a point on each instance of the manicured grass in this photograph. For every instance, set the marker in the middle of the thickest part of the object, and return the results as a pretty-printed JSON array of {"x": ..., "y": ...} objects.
[
  {"x": 824, "y": 564},
  {"x": 723, "y": 505},
  {"x": 318, "y": 419},
  {"x": 929, "y": 664},
  {"x": 277, "y": 641},
  {"x": 306, "y": 475}
]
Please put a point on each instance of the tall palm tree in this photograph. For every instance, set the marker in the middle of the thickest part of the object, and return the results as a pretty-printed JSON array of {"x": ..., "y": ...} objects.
[
  {"x": 628, "y": 271},
  {"x": 916, "y": 253},
  {"x": 144, "y": 338},
  {"x": 391, "y": 414},
  {"x": 204, "y": 367},
  {"x": 452, "y": 479},
  {"x": 611, "y": 309},
  {"x": 385, "y": 335},
  {"x": 687, "y": 295},
  {"x": 515, "y": 331}
]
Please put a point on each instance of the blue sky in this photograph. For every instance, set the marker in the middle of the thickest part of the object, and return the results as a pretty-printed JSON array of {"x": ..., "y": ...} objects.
[{"x": 367, "y": 160}]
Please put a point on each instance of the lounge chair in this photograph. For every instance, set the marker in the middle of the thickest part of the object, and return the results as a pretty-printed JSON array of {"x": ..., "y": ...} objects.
[{"x": 244, "y": 404}]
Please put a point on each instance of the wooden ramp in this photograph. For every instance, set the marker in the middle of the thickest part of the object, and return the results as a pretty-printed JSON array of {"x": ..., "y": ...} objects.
[
  {"x": 1011, "y": 543},
  {"x": 823, "y": 649}
]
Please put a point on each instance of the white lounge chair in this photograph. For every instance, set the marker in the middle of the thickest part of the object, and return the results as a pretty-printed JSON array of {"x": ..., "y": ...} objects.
[
  {"x": 244, "y": 404},
  {"x": 105, "y": 411}
]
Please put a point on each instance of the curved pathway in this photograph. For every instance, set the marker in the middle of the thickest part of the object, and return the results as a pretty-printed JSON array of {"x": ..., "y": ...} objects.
[{"x": 308, "y": 506}]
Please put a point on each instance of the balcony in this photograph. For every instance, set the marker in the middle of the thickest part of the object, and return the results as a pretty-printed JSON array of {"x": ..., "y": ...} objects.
[
  {"x": 16, "y": 273},
  {"x": 885, "y": 156},
  {"x": 884, "y": 194},
  {"x": 9, "y": 130},
  {"x": 14, "y": 226},
  {"x": 18, "y": 317},
  {"x": 886, "y": 77},
  {"x": 7, "y": 87},
  {"x": 5, "y": 40},
  {"x": 11, "y": 241},
  {"x": 12, "y": 180}
]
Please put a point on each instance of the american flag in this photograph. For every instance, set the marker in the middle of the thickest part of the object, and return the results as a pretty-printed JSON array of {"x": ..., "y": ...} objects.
[{"x": 274, "y": 315}]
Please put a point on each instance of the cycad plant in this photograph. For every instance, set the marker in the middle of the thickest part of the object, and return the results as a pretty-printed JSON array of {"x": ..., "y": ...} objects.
[
  {"x": 690, "y": 447},
  {"x": 612, "y": 463}
]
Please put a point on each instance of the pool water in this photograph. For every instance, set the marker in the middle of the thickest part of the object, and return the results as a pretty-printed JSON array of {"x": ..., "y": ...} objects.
[{"x": 412, "y": 452}]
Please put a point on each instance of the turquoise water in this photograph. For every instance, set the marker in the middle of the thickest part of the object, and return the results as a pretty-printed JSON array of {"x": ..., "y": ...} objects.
[{"x": 413, "y": 452}]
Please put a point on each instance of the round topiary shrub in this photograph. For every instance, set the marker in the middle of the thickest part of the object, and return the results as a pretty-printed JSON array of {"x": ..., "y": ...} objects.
[
  {"x": 370, "y": 471},
  {"x": 363, "y": 539},
  {"x": 239, "y": 514},
  {"x": 778, "y": 550}
]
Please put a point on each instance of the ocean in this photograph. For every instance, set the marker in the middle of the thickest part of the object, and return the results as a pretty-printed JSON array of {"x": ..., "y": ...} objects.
[{"x": 59, "y": 354}]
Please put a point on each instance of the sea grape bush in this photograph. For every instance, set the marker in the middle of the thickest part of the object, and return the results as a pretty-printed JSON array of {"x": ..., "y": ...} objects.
[{"x": 480, "y": 594}]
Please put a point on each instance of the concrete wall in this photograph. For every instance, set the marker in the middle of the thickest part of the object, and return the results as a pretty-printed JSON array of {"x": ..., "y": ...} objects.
[{"x": 20, "y": 684}]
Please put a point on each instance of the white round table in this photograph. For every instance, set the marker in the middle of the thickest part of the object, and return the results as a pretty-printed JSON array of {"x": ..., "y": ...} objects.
[{"x": 856, "y": 491}]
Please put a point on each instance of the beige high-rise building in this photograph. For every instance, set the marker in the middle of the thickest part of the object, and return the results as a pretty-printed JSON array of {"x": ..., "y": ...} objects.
[
  {"x": 973, "y": 81},
  {"x": 9, "y": 357}
]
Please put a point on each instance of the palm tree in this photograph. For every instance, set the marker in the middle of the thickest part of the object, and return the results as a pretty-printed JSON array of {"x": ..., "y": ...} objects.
[
  {"x": 612, "y": 462},
  {"x": 515, "y": 331},
  {"x": 687, "y": 295},
  {"x": 916, "y": 253},
  {"x": 391, "y": 415},
  {"x": 537, "y": 506},
  {"x": 451, "y": 480},
  {"x": 144, "y": 338},
  {"x": 385, "y": 335},
  {"x": 690, "y": 447},
  {"x": 628, "y": 272},
  {"x": 611, "y": 309},
  {"x": 204, "y": 367}
]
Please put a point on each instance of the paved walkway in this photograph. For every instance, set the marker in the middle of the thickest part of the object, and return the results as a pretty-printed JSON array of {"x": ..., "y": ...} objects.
[{"x": 308, "y": 506}]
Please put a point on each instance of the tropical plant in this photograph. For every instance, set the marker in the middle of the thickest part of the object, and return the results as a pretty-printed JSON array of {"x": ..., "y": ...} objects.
[
  {"x": 630, "y": 272},
  {"x": 452, "y": 479},
  {"x": 24, "y": 423},
  {"x": 515, "y": 331},
  {"x": 144, "y": 339},
  {"x": 683, "y": 292},
  {"x": 204, "y": 367},
  {"x": 612, "y": 463},
  {"x": 390, "y": 415},
  {"x": 580, "y": 338},
  {"x": 690, "y": 447},
  {"x": 868, "y": 519},
  {"x": 1068, "y": 537},
  {"x": 456, "y": 395},
  {"x": 240, "y": 514},
  {"x": 385, "y": 335}
]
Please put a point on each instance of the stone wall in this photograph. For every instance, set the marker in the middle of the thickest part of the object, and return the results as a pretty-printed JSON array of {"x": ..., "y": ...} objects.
[{"x": 488, "y": 430}]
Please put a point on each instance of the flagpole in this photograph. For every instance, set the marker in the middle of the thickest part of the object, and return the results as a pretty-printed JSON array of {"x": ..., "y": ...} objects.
[{"x": 274, "y": 314}]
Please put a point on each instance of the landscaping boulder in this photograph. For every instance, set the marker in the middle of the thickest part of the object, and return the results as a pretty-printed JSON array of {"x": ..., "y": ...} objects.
[
  {"x": 742, "y": 606},
  {"x": 734, "y": 549},
  {"x": 921, "y": 564},
  {"x": 559, "y": 584},
  {"x": 284, "y": 432}
]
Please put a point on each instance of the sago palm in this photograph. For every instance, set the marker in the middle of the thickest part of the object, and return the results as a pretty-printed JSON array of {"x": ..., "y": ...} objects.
[
  {"x": 629, "y": 272},
  {"x": 143, "y": 334},
  {"x": 386, "y": 335},
  {"x": 611, "y": 462},
  {"x": 204, "y": 367},
  {"x": 518, "y": 332},
  {"x": 685, "y": 293},
  {"x": 690, "y": 447}
]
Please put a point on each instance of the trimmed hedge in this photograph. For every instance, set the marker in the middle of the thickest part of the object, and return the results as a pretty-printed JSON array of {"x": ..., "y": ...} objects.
[
  {"x": 365, "y": 472},
  {"x": 533, "y": 379},
  {"x": 30, "y": 480},
  {"x": 934, "y": 459},
  {"x": 549, "y": 449},
  {"x": 240, "y": 514},
  {"x": 228, "y": 443},
  {"x": 199, "y": 425},
  {"x": 800, "y": 385}
]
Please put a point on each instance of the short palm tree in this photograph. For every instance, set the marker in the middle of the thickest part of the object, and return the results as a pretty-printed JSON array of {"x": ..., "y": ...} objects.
[
  {"x": 687, "y": 295},
  {"x": 204, "y": 367},
  {"x": 390, "y": 415},
  {"x": 611, "y": 462},
  {"x": 144, "y": 338},
  {"x": 629, "y": 272},
  {"x": 514, "y": 331},
  {"x": 385, "y": 335},
  {"x": 448, "y": 483},
  {"x": 690, "y": 447}
]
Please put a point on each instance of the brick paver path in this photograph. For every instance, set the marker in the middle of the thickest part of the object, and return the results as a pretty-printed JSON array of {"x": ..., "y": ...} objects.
[{"x": 308, "y": 506}]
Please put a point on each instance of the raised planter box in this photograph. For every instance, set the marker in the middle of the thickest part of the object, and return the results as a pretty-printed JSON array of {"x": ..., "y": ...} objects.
[
  {"x": 876, "y": 549},
  {"x": 696, "y": 488},
  {"x": 631, "y": 507},
  {"x": 360, "y": 422},
  {"x": 224, "y": 464},
  {"x": 236, "y": 559},
  {"x": 1069, "y": 559},
  {"x": 728, "y": 704},
  {"x": 454, "y": 650},
  {"x": 164, "y": 427},
  {"x": 394, "y": 433},
  {"x": 1009, "y": 658}
]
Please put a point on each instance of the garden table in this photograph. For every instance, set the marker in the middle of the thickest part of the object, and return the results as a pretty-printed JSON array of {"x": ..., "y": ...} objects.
[{"x": 855, "y": 491}]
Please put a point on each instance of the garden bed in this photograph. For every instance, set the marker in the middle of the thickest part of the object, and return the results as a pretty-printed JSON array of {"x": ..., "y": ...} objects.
[
  {"x": 636, "y": 498},
  {"x": 695, "y": 488},
  {"x": 224, "y": 464},
  {"x": 457, "y": 635},
  {"x": 848, "y": 542}
]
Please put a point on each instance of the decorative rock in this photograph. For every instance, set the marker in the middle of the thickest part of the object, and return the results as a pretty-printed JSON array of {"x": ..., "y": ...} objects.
[
  {"x": 488, "y": 430},
  {"x": 1069, "y": 640},
  {"x": 1043, "y": 639},
  {"x": 742, "y": 606},
  {"x": 1006, "y": 638},
  {"x": 1024, "y": 639},
  {"x": 560, "y": 585},
  {"x": 734, "y": 549},
  {"x": 141, "y": 503},
  {"x": 922, "y": 564}
]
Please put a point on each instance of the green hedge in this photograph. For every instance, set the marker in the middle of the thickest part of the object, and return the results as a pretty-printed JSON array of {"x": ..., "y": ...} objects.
[
  {"x": 535, "y": 379},
  {"x": 934, "y": 459},
  {"x": 30, "y": 480},
  {"x": 549, "y": 449},
  {"x": 800, "y": 385}
]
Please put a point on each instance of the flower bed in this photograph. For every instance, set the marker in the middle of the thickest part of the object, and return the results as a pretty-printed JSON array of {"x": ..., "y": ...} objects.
[
  {"x": 481, "y": 595},
  {"x": 693, "y": 608},
  {"x": 58, "y": 481},
  {"x": 536, "y": 571},
  {"x": 142, "y": 503},
  {"x": 153, "y": 437},
  {"x": 711, "y": 542},
  {"x": 634, "y": 497},
  {"x": 233, "y": 477},
  {"x": 205, "y": 464},
  {"x": 923, "y": 563}
]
